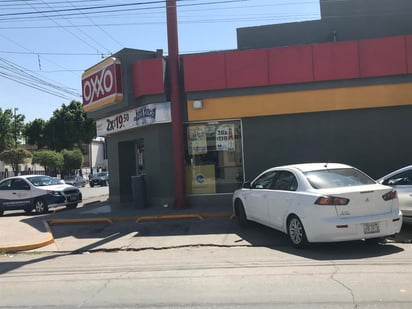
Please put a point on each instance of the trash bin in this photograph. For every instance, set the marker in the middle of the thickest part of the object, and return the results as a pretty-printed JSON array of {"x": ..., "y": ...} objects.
[{"x": 139, "y": 191}]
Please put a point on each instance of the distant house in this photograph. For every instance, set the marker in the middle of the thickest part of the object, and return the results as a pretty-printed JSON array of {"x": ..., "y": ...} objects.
[{"x": 97, "y": 155}]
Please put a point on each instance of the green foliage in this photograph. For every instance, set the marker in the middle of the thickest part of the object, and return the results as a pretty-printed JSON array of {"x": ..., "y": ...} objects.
[
  {"x": 49, "y": 159},
  {"x": 14, "y": 157},
  {"x": 34, "y": 133},
  {"x": 10, "y": 128},
  {"x": 68, "y": 128},
  {"x": 73, "y": 160}
]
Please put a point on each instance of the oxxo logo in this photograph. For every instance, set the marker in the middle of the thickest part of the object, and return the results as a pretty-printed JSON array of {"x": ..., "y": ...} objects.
[{"x": 103, "y": 83}]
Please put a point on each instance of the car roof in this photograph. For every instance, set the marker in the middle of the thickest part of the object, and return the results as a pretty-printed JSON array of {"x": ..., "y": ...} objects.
[
  {"x": 306, "y": 167},
  {"x": 403, "y": 169},
  {"x": 27, "y": 176}
]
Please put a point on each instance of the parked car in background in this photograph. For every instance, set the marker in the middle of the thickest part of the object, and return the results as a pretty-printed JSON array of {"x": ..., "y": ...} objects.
[
  {"x": 99, "y": 179},
  {"x": 401, "y": 180},
  {"x": 319, "y": 202},
  {"x": 38, "y": 192},
  {"x": 75, "y": 180}
]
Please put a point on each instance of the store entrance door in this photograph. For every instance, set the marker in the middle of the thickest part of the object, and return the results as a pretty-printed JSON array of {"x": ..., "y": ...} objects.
[{"x": 127, "y": 169}]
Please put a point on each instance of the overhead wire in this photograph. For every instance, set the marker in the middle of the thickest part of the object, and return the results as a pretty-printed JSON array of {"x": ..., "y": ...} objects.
[{"x": 89, "y": 9}]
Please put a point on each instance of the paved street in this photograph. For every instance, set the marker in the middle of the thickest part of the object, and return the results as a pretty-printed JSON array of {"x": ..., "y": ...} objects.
[
  {"x": 196, "y": 262},
  {"x": 328, "y": 276}
]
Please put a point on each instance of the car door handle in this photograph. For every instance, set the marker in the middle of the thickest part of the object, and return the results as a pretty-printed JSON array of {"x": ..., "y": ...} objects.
[{"x": 14, "y": 193}]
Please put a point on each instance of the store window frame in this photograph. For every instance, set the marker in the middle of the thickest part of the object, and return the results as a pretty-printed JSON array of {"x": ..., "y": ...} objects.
[{"x": 213, "y": 167}]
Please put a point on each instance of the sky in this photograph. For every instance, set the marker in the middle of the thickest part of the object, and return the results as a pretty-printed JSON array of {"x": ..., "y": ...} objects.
[{"x": 46, "y": 45}]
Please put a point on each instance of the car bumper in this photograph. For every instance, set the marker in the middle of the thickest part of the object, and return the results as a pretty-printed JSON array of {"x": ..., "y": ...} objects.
[
  {"x": 337, "y": 229},
  {"x": 56, "y": 201}
]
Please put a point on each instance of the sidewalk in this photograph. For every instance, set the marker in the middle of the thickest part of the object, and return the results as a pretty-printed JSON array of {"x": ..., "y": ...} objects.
[{"x": 96, "y": 221}]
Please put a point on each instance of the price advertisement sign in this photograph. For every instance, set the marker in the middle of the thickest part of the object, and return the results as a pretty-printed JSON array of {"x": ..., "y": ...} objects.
[
  {"x": 148, "y": 114},
  {"x": 225, "y": 137}
]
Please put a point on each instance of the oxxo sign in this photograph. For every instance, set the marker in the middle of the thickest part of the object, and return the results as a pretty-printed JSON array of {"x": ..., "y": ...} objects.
[{"x": 102, "y": 85}]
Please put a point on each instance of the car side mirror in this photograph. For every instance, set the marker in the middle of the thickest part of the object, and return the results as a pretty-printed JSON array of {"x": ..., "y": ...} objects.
[{"x": 246, "y": 185}]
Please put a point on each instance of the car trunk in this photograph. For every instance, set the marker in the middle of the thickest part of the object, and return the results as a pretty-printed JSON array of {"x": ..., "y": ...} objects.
[{"x": 363, "y": 200}]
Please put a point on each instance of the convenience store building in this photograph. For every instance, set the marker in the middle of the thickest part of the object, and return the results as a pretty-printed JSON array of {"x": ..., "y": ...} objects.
[{"x": 332, "y": 90}]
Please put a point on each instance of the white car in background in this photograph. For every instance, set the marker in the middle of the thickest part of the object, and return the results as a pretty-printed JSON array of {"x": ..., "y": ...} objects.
[
  {"x": 38, "y": 192},
  {"x": 319, "y": 202},
  {"x": 401, "y": 181}
]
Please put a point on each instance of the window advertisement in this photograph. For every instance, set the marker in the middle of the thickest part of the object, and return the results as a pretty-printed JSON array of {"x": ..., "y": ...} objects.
[
  {"x": 196, "y": 139},
  {"x": 213, "y": 156}
]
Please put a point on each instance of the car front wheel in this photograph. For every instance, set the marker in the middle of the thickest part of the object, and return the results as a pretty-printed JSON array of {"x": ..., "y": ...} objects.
[
  {"x": 296, "y": 232},
  {"x": 40, "y": 206}
]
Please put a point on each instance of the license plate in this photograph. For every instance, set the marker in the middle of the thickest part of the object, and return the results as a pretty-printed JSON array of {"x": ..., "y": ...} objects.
[
  {"x": 370, "y": 228},
  {"x": 73, "y": 198}
]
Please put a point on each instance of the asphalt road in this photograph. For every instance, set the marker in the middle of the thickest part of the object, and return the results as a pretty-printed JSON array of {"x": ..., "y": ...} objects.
[{"x": 352, "y": 276}]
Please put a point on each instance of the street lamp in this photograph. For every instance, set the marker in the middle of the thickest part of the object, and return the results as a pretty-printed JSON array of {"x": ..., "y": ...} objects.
[{"x": 15, "y": 127}]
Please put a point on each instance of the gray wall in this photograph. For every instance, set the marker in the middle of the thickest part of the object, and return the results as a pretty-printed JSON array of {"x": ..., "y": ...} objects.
[
  {"x": 373, "y": 140},
  {"x": 158, "y": 156},
  {"x": 349, "y": 20}
]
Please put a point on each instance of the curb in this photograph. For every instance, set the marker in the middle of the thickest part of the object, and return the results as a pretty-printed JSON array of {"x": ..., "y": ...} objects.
[
  {"x": 32, "y": 246},
  {"x": 50, "y": 238}
]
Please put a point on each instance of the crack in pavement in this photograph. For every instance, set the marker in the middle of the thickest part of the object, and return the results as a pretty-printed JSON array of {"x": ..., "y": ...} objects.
[{"x": 343, "y": 285}]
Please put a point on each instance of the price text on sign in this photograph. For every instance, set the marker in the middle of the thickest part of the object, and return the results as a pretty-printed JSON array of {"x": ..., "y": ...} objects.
[{"x": 117, "y": 122}]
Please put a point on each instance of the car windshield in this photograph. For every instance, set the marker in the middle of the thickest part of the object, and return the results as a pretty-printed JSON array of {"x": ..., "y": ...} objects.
[
  {"x": 334, "y": 178},
  {"x": 40, "y": 181},
  {"x": 102, "y": 174}
]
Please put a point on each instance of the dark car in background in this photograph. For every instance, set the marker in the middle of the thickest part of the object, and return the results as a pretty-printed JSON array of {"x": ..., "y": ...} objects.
[
  {"x": 99, "y": 179},
  {"x": 75, "y": 180}
]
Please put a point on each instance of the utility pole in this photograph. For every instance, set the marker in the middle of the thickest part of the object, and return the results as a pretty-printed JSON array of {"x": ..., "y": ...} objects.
[
  {"x": 175, "y": 102},
  {"x": 15, "y": 127}
]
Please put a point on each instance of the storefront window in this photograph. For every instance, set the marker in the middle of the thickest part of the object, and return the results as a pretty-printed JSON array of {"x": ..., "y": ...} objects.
[{"x": 213, "y": 156}]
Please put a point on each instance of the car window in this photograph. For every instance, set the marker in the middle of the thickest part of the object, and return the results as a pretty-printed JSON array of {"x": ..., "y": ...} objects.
[
  {"x": 264, "y": 181},
  {"x": 402, "y": 179},
  {"x": 285, "y": 181},
  {"x": 40, "y": 181},
  {"x": 335, "y": 178},
  {"x": 19, "y": 184},
  {"x": 6, "y": 185}
]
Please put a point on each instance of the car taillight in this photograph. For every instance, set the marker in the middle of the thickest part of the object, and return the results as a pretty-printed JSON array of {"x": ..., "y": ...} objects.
[
  {"x": 390, "y": 195},
  {"x": 331, "y": 200}
]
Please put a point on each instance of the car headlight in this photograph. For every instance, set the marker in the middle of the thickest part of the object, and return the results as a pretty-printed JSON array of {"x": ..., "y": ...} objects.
[{"x": 55, "y": 193}]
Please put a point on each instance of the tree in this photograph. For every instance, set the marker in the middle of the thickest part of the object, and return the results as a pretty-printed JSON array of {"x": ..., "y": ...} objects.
[
  {"x": 69, "y": 127},
  {"x": 73, "y": 160},
  {"x": 34, "y": 133},
  {"x": 52, "y": 161},
  {"x": 14, "y": 157},
  {"x": 10, "y": 129}
]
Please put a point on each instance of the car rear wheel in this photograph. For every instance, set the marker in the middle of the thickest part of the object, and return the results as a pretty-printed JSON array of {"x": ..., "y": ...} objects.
[
  {"x": 296, "y": 232},
  {"x": 1, "y": 212},
  {"x": 241, "y": 214},
  {"x": 92, "y": 184},
  {"x": 40, "y": 206}
]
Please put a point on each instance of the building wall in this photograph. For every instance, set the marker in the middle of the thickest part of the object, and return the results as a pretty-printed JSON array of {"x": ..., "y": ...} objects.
[
  {"x": 158, "y": 163},
  {"x": 340, "y": 21},
  {"x": 372, "y": 139}
]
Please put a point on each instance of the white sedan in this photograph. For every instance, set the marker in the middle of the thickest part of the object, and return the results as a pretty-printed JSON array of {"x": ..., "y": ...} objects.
[
  {"x": 319, "y": 202},
  {"x": 38, "y": 192},
  {"x": 401, "y": 181}
]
